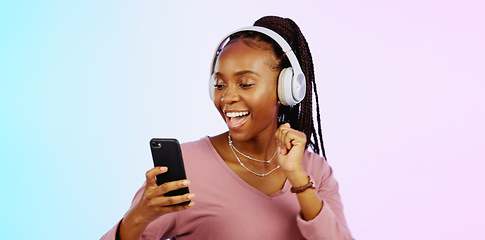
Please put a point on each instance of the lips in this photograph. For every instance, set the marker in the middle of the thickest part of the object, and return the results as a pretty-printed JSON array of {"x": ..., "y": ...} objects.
[{"x": 236, "y": 119}]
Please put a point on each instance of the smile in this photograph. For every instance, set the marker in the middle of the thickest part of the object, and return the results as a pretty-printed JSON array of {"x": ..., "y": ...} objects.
[
  {"x": 236, "y": 114},
  {"x": 236, "y": 120}
]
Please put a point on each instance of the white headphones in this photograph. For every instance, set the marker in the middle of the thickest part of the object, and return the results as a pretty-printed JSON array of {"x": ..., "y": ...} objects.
[{"x": 291, "y": 81}]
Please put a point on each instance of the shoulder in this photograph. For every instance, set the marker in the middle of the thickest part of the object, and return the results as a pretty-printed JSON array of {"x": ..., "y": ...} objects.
[
  {"x": 316, "y": 165},
  {"x": 199, "y": 158},
  {"x": 195, "y": 147},
  {"x": 200, "y": 149},
  {"x": 202, "y": 143},
  {"x": 311, "y": 159},
  {"x": 195, "y": 153}
]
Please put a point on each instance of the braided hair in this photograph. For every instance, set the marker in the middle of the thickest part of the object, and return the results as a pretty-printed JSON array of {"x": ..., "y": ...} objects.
[{"x": 300, "y": 116}]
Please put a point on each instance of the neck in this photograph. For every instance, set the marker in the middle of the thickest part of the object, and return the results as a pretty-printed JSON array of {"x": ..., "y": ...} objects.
[{"x": 263, "y": 147}]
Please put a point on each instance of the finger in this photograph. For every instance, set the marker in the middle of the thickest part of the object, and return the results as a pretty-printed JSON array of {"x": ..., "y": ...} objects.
[
  {"x": 285, "y": 139},
  {"x": 152, "y": 173},
  {"x": 295, "y": 138},
  {"x": 282, "y": 149},
  {"x": 175, "y": 208},
  {"x": 289, "y": 136},
  {"x": 171, "y": 186},
  {"x": 277, "y": 134},
  {"x": 280, "y": 141},
  {"x": 280, "y": 128},
  {"x": 282, "y": 133},
  {"x": 172, "y": 200}
]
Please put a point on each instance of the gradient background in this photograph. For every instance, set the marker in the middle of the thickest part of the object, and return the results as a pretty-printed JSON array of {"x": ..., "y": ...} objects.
[{"x": 86, "y": 84}]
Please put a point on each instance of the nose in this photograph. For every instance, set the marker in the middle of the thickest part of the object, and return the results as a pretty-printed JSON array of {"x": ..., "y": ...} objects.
[{"x": 230, "y": 95}]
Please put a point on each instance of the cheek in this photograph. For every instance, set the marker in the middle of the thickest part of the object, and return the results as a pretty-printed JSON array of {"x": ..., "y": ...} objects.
[
  {"x": 217, "y": 103},
  {"x": 217, "y": 98},
  {"x": 266, "y": 102},
  {"x": 267, "y": 95}
]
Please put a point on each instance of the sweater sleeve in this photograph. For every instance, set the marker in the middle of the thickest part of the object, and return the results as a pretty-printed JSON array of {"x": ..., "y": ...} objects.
[
  {"x": 111, "y": 234},
  {"x": 330, "y": 223},
  {"x": 151, "y": 232}
]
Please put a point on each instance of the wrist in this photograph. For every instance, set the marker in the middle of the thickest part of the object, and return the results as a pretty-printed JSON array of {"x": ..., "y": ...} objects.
[
  {"x": 135, "y": 220},
  {"x": 131, "y": 227},
  {"x": 309, "y": 185},
  {"x": 297, "y": 178}
]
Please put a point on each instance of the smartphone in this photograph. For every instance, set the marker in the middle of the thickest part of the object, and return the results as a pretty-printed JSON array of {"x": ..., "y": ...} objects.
[{"x": 166, "y": 152}]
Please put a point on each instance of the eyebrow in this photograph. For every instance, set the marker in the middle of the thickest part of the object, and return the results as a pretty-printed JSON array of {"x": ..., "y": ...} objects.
[
  {"x": 246, "y": 72},
  {"x": 240, "y": 73}
]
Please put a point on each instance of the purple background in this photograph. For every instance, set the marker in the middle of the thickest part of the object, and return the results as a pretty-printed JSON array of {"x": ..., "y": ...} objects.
[{"x": 85, "y": 85}]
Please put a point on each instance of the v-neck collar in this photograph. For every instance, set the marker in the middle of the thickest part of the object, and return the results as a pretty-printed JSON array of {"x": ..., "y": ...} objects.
[{"x": 239, "y": 180}]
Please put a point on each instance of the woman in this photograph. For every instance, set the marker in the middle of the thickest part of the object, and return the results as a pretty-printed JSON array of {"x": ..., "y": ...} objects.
[{"x": 258, "y": 180}]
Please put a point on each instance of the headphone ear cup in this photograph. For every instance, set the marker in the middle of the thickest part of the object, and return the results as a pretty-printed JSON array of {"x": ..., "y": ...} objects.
[
  {"x": 212, "y": 82},
  {"x": 285, "y": 94},
  {"x": 298, "y": 87}
]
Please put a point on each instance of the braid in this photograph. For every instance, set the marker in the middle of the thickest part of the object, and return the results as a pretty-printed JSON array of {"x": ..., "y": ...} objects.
[{"x": 299, "y": 116}]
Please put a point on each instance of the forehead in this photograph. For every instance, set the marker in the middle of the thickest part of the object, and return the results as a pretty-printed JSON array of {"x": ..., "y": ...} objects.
[{"x": 238, "y": 55}]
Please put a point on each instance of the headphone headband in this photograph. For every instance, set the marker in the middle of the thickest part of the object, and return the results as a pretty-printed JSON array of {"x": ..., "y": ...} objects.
[{"x": 268, "y": 32}]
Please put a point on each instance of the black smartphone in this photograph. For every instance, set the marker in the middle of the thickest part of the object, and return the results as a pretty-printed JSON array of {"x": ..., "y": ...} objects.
[{"x": 166, "y": 152}]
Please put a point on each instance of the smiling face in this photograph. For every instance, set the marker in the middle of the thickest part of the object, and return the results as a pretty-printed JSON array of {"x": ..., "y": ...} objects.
[{"x": 245, "y": 91}]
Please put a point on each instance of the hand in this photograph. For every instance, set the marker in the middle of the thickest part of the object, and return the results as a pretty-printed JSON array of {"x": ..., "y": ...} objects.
[
  {"x": 291, "y": 145},
  {"x": 154, "y": 204}
]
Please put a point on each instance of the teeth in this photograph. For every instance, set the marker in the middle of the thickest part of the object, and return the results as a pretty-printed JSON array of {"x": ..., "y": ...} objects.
[{"x": 236, "y": 114}]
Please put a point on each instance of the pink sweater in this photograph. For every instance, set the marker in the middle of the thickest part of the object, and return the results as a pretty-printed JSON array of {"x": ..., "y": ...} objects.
[{"x": 226, "y": 207}]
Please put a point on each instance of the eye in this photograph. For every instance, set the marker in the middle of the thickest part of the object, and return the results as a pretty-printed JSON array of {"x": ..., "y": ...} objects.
[
  {"x": 244, "y": 86},
  {"x": 218, "y": 86}
]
